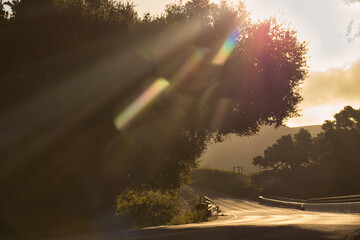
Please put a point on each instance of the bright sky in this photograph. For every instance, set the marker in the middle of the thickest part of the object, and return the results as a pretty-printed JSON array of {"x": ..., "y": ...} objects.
[{"x": 330, "y": 27}]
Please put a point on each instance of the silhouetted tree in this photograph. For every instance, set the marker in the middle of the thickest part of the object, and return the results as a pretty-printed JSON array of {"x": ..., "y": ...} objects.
[
  {"x": 70, "y": 67},
  {"x": 339, "y": 150},
  {"x": 325, "y": 165},
  {"x": 288, "y": 152},
  {"x": 52, "y": 65}
]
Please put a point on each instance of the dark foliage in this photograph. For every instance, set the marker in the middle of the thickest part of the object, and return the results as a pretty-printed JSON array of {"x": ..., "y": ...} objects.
[
  {"x": 326, "y": 165},
  {"x": 69, "y": 67},
  {"x": 288, "y": 152}
]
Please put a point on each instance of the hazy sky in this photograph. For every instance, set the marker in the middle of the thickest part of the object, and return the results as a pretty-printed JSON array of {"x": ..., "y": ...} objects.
[{"x": 331, "y": 27}]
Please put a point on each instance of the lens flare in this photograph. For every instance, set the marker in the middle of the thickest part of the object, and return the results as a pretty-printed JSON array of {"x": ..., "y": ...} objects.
[
  {"x": 219, "y": 114},
  {"x": 140, "y": 103},
  {"x": 227, "y": 48},
  {"x": 189, "y": 66}
]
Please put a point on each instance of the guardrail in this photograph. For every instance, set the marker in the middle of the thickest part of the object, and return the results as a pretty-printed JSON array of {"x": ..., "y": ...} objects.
[
  {"x": 349, "y": 198},
  {"x": 209, "y": 205},
  {"x": 287, "y": 199},
  {"x": 348, "y": 204},
  {"x": 281, "y": 203}
]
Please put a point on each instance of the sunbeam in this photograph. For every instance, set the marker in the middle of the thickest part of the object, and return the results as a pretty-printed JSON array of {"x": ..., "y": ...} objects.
[
  {"x": 227, "y": 48},
  {"x": 140, "y": 103}
]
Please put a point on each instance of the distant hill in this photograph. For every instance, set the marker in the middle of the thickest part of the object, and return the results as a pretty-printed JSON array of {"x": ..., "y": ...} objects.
[
  {"x": 224, "y": 182},
  {"x": 239, "y": 151}
]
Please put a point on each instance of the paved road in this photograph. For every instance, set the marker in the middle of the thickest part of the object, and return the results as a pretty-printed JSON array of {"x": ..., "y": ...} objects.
[{"x": 248, "y": 220}]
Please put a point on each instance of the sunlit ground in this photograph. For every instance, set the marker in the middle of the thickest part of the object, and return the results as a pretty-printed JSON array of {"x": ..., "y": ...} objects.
[{"x": 240, "y": 212}]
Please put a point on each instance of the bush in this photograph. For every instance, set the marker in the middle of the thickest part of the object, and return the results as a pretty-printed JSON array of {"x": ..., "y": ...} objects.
[
  {"x": 195, "y": 216},
  {"x": 157, "y": 207},
  {"x": 147, "y": 207},
  {"x": 187, "y": 200}
]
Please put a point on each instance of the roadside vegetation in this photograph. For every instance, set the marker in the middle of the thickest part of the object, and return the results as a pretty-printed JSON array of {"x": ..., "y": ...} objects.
[{"x": 149, "y": 207}]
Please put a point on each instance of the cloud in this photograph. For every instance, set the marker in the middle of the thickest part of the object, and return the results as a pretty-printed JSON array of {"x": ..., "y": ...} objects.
[
  {"x": 326, "y": 93},
  {"x": 351, "y": 1},
  {"x": 353, "y": 31},
  {"x": 333, "y": 86}
]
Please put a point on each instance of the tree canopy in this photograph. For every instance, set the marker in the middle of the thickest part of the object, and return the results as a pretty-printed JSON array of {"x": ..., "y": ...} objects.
[
  {"x": 288, "y": 152},
  {"x": 325, "y": 165},
  {"x": 338, "y": 150},
  {"x": 175, "y": 82}
]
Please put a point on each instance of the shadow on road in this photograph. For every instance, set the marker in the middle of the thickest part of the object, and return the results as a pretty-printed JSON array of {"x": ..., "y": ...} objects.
[{"x": 229, "y": 232}]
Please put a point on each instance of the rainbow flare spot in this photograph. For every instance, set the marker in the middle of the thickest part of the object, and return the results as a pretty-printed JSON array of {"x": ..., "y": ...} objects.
[
  {"x": 227, "y": 48},
  {"x": 140, "y": 103},
  {"x": 188, "y": 67}
]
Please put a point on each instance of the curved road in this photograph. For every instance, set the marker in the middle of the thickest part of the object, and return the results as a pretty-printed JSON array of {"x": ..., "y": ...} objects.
[{"x": 242, "y": 219}]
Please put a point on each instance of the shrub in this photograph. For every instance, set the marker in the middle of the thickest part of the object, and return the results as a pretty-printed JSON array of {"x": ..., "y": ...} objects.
[
  {"x": 157, "y": 207},
  {"x": 187, "y": 201},
  {"x": 147, "y": 207},
  {"x": 195, "y": 216}
]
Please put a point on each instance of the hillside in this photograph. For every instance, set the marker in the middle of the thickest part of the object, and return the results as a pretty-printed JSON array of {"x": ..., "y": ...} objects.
[
  {"x": 224, "y": 182},
  {"x": 239, "y": 151}
]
